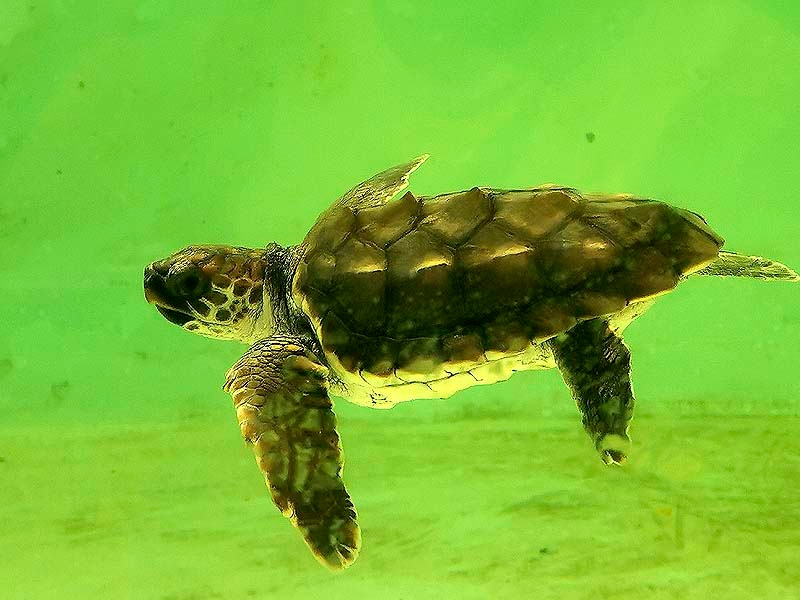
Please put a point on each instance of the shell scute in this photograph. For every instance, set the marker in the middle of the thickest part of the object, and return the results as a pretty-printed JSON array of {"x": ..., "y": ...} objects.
[
  {"x": 506, "y": 334},
  {"x": 419, "y": 359},
  {"x": 331, "y": 229},
  {"x": 489, "y": 243},
  {"x": 454, "y": 217},
  {"x": 360, "y": 301},
  {"x": 652, "y": 221},
  {"x": 531, "y": 214},
  {"x": 696, "y": 248},
  {"x": 549, "y": 317},
  {"x": 335, "y": 332},
  {"x": 422, "y": 304},
  {"x": 321, "y": 268},
  {"x": 355, "y": 257},
  {"x": 496, "y": 269},
  {"x": 574, "y": 254},
  {"x": 592, "y": 303},
  {"x": 380, "y": 356},
  {"x": 420, "y": 284},
  {"x": 384, "y": 225},
  {"x": 644, "y": 274},
  {"x": 462, "y": 348},
  {"x": 354, "y": 280},
  {"x": 414, "y": 252}
]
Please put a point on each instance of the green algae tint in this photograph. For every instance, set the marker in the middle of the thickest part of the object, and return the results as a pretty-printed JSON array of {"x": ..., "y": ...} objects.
[{"x": 129, "y": 132}]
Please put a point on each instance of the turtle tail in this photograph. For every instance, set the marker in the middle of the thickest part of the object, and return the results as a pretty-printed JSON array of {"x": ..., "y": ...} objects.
[{"x": 730, "y": 264}]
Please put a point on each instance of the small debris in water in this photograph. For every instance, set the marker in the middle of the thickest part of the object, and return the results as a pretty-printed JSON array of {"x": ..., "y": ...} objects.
[
  {"x": 60, "y": 390},
  {"x": 590, "y": 136},
  {"x": 6, "y": 364}
]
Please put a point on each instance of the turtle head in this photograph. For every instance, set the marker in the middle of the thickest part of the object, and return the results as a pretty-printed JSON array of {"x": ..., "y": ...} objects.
[{"x": 215, "y": 291}]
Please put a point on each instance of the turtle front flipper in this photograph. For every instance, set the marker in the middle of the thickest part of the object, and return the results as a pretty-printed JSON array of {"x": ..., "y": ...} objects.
[
  {"x": 280, "y": 392},
  {"x": 596, "y": 366},
  {"x": 380, "y": 188}
]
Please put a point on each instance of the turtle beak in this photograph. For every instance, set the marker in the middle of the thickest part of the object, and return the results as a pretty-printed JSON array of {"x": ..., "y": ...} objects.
[
  {"x": 151, "y": 281},
  {"x": 174, "y": 316},
  {"x": 155, "y": 292},
  {"x": 155, "y": 286}
]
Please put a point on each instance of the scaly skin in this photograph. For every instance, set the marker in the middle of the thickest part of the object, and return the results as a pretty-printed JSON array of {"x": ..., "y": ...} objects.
[
  {"x": 596, "y": 366},
  {"x": 280, "y": 392}
]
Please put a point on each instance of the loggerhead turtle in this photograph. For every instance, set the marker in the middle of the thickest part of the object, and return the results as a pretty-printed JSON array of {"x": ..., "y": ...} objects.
[{"x": 388, "y": 300}]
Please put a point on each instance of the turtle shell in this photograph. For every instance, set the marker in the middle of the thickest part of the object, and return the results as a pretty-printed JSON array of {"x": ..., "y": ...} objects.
[{"x": 417, "y": 283}]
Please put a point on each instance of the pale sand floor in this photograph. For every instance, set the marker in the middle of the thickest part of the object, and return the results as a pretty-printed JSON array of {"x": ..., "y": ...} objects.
[{"x": 475, "y": 507}]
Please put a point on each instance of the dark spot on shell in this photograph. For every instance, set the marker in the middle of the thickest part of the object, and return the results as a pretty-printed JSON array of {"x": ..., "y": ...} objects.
[
  {"x": 223, "y": 315},
  {"x": 255, "y": 295}
]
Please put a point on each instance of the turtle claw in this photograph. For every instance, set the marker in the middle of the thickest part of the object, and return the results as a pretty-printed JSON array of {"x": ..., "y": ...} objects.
[
  {"x": 614, "y": 457},
  {"x": 614, "y": 448},
  {"x": 343, "y": 552}
]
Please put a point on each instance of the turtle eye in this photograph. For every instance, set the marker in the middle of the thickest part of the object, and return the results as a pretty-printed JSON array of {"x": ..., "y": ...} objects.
[{"x": 189, "y": 283}]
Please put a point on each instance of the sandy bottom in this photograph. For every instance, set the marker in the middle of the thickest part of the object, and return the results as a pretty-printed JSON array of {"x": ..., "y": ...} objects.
[{"x": 474, "y": 507}]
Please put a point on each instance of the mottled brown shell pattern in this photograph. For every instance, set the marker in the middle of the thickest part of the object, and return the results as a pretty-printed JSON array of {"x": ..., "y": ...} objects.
[{"x": 424, "y": 282}]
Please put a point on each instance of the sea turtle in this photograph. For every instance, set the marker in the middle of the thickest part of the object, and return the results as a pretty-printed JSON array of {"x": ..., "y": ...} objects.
[{"x": 392, "y": 299}]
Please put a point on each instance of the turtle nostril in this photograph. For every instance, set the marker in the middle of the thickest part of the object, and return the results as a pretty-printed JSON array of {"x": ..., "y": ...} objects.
[
  {"x": 149, "y": 274},
  {"x": 158, "y": 267}
]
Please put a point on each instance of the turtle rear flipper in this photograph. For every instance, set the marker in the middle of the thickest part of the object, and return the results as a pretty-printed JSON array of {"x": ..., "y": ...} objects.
[
  {"x": 280, "y": 392},
  {"x": 730, "y": 264},
  {"x": 596, "y": 366}
]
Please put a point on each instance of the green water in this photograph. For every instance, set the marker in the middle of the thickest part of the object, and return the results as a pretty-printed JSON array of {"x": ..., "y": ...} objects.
[{"x": 132, "y": 129}]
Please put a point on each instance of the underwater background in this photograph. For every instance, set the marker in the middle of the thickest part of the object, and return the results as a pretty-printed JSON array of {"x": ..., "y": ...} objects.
[{"x": 130, "y": 129}]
